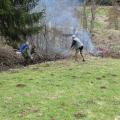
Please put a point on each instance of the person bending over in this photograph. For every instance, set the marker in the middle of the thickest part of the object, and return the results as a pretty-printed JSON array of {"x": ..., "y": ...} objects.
[
  {"x": 26, "y": 51},
  {"x": 78, "y": 46}
]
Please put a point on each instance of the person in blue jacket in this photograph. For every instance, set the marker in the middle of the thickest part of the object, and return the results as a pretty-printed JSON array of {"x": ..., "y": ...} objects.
[{"x": 26, "y": 51}]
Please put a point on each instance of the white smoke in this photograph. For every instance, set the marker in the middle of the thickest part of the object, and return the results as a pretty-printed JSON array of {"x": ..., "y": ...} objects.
[
  {"x": 60, "y": 12},
  {"x": 61, "y": 15}
]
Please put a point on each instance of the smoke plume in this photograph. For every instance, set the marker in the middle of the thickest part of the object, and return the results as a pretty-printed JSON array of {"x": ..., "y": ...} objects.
[{"x": 61, "y": 15}]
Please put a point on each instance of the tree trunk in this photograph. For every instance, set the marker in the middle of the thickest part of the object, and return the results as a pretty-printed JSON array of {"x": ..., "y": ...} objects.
[
  {"x": 84, "y": 17},
  {"x": 93, "y": 11}
]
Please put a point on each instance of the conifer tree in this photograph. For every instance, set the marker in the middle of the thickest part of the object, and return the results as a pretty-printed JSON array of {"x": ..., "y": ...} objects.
[{"x": 17, "y": 20}]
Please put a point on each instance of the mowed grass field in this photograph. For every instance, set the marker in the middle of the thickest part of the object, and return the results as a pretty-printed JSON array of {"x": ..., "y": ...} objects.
[{"x": 62, "y": 90}]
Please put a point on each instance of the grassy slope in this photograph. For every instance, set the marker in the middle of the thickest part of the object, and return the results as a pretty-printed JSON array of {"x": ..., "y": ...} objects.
[
  {"x": 64, "y": 90},
  {"x": 104, "y": 35},
  {"x": 101, "y": 17}
]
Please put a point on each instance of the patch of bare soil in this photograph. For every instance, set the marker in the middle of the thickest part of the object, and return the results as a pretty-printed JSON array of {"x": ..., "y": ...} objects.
[
  {"x": 103, "y": 87},
  {"x": 80, "y": 115},
  {"x": 29, "y": 110},
  {"x": 20, "y": 85}
]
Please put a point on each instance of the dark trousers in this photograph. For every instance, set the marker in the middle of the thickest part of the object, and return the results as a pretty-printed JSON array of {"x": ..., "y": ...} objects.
[{"x": 80, "y": 49}]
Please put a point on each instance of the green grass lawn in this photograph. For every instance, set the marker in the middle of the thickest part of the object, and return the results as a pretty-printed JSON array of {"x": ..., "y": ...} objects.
[{"x": 62, "y": 90}]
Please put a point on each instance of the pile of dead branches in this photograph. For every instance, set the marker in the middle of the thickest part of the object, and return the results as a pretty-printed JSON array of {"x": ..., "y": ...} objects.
[
  {"x": 104, "y": 52},
  {"x": 9, "y": 59}
]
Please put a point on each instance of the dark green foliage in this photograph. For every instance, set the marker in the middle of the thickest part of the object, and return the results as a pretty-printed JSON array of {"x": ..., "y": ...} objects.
[
  {"x": 106, "y": 2},
  {"x": 101, "y": 2},
  {"x": 17, "y": 21}
]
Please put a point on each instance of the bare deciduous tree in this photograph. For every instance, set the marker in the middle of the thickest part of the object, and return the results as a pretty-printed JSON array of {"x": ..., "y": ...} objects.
[
  {"x": 114, "y": 15},
  {"x": 93, "y": 12}
]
